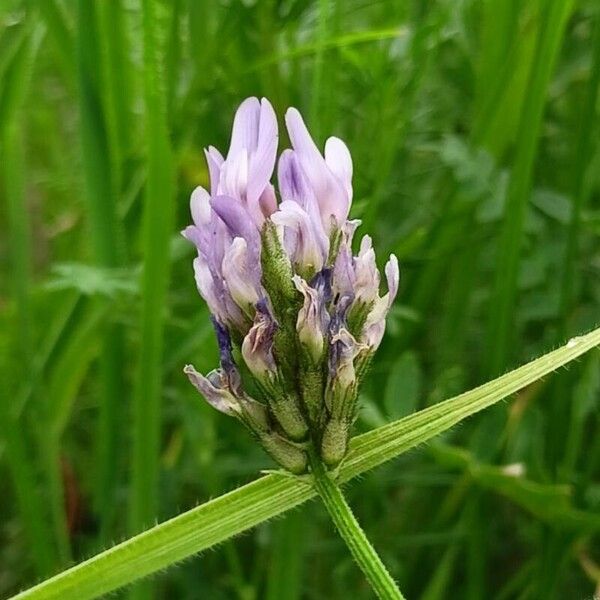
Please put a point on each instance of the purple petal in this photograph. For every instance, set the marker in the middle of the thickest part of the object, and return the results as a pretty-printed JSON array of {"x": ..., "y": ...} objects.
[
  {"x": 343, "y": 350},
  {"x": 239, "y": 223},
  {"x": 293, "y": 185},
  {"x": 322, "y": 283},
  {"x": 308, "y": 154},
  {"x": 263, "y": 153},
  {"x": 333, "y": 199},
  {"x": 225, "y": 347},
  {"x": 193, "y": 234}
]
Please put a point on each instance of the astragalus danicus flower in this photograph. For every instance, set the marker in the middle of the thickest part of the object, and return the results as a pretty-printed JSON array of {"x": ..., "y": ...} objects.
[{"x": 288, "y": 297}]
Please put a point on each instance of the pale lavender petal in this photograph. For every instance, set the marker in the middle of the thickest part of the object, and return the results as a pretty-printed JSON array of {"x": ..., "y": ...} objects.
[
  {"x": 200, "y": 207},
  {"x": 332, "y": 197},
  {"x": 234, "y": 175},
  {"x": 311, "y": 161},
  {"x": 209, "y": 233},
  {"x": 339, "y": 161},
  {"x": 334, "y": 205},
  {"x": 211, "y": 287},
  {"x": 366, "y": 285},
  {"x": 239, "y": 278},
  {"x": 343, "y": 272},
  {"x": 312, "y": 246},
  {"x": 214, "y": 160},
  {"x": 248, "y": 168},
  {"x": 392, "y": 273},
  {"x": 199, "y": 233},
  {"x": 374, "y": 327},
  {"x": 262, "y": 154},
  {"x": 206, "y": 285},
  {"x": 244, "y": 134},
  {"x": 304, "y": 144},
  {"x": 344, "y": 276},
  {"x": 294, "y": 187}
]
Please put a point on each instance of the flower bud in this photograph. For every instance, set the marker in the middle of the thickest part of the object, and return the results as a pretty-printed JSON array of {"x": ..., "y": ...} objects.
[
  {"x": 257, "y": 351},
  {"x": 215, "y": 389},
  {"x": 221, "y": 393},
  {"x": 340, "y": 395},
  {"x": 313, "y": 320},
  {"x": 334, "y": 442},
  {"x": 367, "y": 275},
  {"x": 257, "y": 347},
  {"x": 374, "y": 325},
  {"x": 289, "y": 455}
]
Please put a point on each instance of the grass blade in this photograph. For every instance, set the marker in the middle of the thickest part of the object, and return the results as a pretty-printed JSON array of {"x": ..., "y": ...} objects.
[
  {"x": 245, "y": 507},
  {"x": 504, "y": 294},
  {"x": 33, "y": 516},
  {"x": 157, "y": 229},
  {"x": 101, "y": 183},
  {"x": 583, "y": 153},
  {"x": 287, "y": 560}
]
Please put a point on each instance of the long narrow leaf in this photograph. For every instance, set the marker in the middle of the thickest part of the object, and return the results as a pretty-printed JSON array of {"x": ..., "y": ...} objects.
[
  {"x": 504, "y": 296},
  {"x": 157, "y": 229},
  {"x": 16, "y": 76},
  {"x": 238, "y": 511}
]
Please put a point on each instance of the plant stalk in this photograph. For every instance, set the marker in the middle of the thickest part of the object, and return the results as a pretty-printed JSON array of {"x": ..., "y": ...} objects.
[{"x": 348, "y": 527}]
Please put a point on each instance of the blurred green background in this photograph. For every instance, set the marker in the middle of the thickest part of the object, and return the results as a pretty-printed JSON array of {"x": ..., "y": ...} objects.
[{"x": 473, "y": 127}]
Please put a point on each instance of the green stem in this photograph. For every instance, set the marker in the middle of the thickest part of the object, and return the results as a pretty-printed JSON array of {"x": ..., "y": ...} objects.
[{"x": 350, "y": 530}]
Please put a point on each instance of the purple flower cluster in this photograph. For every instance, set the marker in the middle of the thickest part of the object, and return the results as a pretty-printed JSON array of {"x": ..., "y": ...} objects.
[{"x": 284, "y": 287}]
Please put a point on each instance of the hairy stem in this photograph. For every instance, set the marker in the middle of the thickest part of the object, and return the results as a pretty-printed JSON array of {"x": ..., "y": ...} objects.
[{"x": 350, "y": 530}]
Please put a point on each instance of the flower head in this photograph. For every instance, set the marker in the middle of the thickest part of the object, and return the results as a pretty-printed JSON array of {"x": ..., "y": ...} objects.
[{"x": 285, "y": 288}]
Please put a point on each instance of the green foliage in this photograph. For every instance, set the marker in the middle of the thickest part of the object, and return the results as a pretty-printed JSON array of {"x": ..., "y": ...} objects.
[{"x": 473, "y": 127}]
